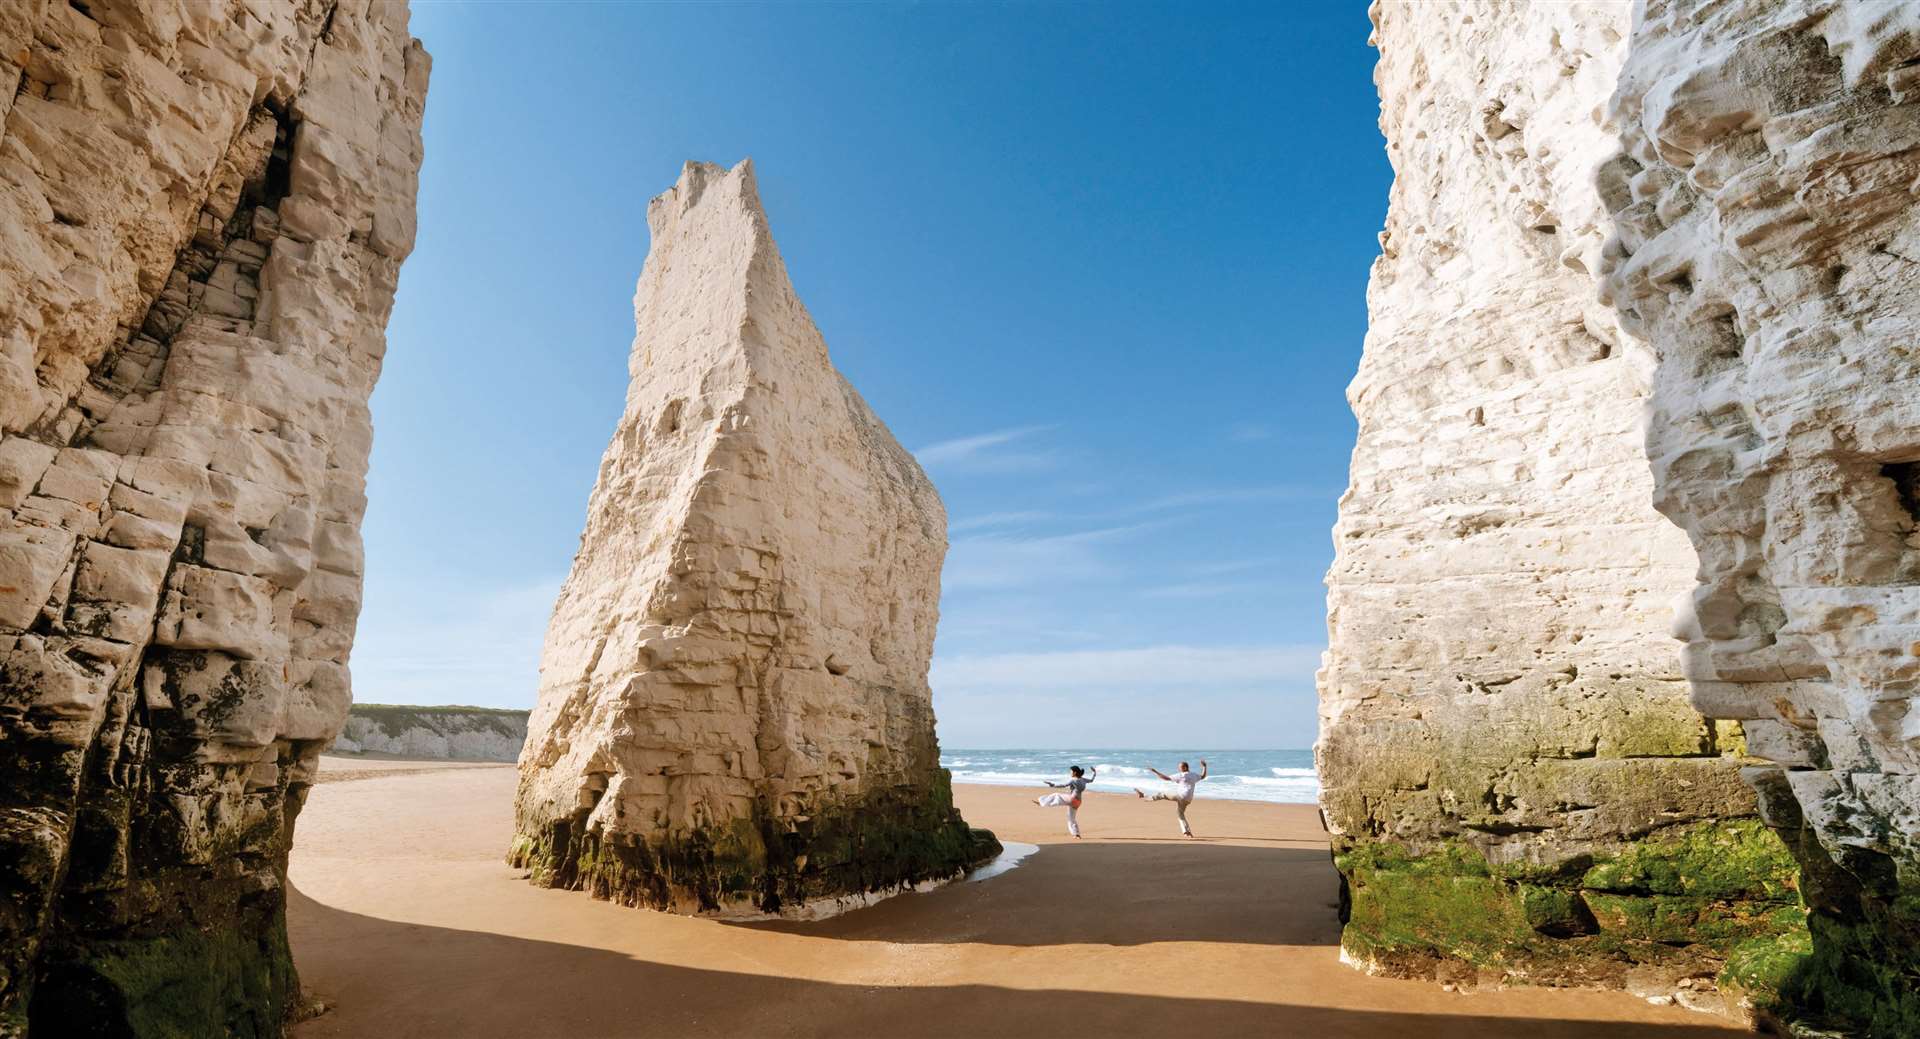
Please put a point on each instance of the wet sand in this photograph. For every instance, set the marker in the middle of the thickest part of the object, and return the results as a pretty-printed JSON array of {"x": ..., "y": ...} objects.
[{"x": 406, "y": 922}]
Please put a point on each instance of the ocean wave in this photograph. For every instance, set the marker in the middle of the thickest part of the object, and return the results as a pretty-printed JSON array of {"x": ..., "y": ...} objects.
[
  {"x": 1300, "y": 790},
  {"x": 1286, "y": 781}
]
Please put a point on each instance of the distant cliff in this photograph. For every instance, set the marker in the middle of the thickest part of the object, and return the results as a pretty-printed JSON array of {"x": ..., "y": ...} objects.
[{"x": 454, "y": 733}]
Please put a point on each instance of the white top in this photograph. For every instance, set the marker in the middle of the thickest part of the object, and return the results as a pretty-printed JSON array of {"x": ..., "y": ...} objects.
[{"x": 1186, "y": 782}]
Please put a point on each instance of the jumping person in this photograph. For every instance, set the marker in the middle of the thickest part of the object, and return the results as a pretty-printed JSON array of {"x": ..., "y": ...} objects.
[
  {"x": 1181, "y": 797},
  {"x": 1077, "y": 786}
]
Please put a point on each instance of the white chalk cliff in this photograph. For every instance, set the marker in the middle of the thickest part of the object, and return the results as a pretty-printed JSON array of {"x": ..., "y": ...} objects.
[
  {"x": 1500, "y": 706},
  {"x": 1766, "y": 242},
  {"x": 204, "y": 209},
  {"x": 433, "y": 733},
  {"x": 1739, "y": 182}
]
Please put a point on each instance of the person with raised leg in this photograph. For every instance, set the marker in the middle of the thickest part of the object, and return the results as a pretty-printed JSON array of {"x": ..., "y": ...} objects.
[{"x": 1182, "y": 795}]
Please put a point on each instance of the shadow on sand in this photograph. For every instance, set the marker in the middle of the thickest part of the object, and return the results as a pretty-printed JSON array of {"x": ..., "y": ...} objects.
[
  {"x": 391, "y": 979},
  {"x": 1286, "y": 896}
]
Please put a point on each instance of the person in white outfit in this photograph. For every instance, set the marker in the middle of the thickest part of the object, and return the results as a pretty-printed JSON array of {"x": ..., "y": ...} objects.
[
  {"x": 1075, "y": 787},
  {"x": 1182, "y": 793}
]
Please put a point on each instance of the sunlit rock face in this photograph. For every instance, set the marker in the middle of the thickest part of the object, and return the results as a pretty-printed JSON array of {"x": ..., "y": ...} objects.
[
  {"x": 1768, "y": 247},
  {"x": 203, "y": 210},
  {"x": 1506, "y": 742},
  {"x": 734, "y": 712}
]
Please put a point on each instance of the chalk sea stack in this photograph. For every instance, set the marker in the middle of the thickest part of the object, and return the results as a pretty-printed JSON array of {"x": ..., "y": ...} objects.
[
  {"x": 734, "y": 712},
  {"x": 205, "y": 207}
]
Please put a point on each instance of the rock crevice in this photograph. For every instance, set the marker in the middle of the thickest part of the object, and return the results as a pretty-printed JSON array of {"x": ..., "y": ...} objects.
[
  {"x": 1503, "y": 724},
  {"x": 1765, "y": 211},
  {"x": 1736, "y": 181},
  {"x": 207, "y": 208}
]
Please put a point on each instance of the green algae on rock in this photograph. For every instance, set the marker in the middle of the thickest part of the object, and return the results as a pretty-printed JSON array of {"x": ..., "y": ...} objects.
[
  {"x": 224, "y": 977},
  {"x": 831, "y": 857},
  {"x": 1711, "y": 901}
]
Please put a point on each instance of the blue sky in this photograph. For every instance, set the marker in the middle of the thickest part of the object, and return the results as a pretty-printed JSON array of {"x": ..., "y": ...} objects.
[{"x": 1102, "y": 267}]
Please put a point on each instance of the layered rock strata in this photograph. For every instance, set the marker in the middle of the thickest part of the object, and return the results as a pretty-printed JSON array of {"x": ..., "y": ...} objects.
[
  {"x": 1515, "y": 781},
  {"x": 1768, "y": 246},
  {"x": 439, "y": 733},
  {"x": 734, "y": 712},
  {"x": 205, "y": 208}
]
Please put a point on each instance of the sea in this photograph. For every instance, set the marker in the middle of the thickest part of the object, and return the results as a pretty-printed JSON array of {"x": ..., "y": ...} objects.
[{"x": 1283, "y": 776}]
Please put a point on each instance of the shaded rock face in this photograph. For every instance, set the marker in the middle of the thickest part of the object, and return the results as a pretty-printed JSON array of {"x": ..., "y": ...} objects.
[
  {"x": 734, "y": 712},
  {"x": 1768, "y": 247},
  {"x": 449, "y": 733},
  {"x": 1506, "y": 748},
  {"x": 205, "y": 206}
]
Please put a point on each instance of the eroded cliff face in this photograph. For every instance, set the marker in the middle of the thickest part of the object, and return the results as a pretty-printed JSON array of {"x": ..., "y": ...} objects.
[
  {"x": 1515, "y": 780},
  {"x": 1768, "y": 247},
  {"x": 440, "y": 733},
  {"x": 734, "y": 712},
  {"x": 205, "y": 205}
]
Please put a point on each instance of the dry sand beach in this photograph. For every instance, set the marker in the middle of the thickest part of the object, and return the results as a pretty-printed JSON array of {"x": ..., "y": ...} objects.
[{"x": 406, "y": 922}]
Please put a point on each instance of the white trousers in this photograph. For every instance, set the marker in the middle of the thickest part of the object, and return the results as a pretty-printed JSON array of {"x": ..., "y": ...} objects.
[
  {"x": 1179, "y": 806},
  {"x": 1073, "y": 810}
]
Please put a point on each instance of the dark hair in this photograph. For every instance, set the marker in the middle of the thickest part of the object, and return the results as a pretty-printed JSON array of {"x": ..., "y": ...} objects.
[
  {"x": 1075, "y": 769},
  {"x": 1183, "y": 766}
]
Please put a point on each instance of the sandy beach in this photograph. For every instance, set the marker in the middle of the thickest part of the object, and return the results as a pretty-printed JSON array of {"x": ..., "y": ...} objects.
[{"x": 405, "y": 922}]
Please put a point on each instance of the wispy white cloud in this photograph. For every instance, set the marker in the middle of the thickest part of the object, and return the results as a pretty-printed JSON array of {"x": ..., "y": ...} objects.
[
  {"x": 1151, "y": 668},
  {"x": 1199, "y": 590},
  {"x": 989, "y": 452},
  {"x": 1233, "y": 495},
  {"x": 998, "y": 561},
  {"x": 997, "y": 519},
  {"x": 1248, "y": 432},
  {"x": 1235, "y": 566},
  {"x": 1239, "y": 695},
  {"x": 1277, "y": 716},
  {"x": 986, "y": 621},
  {"x": 485, "y": 651}
]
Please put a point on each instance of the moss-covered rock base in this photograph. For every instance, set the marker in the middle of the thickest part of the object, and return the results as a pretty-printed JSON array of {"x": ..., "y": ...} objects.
[
  {"x": 1861, "y": 976},
  {"x": 235, "y": 979},
  {"x": 843, "y": 853},
  {"x": 1706, "y": 902}
]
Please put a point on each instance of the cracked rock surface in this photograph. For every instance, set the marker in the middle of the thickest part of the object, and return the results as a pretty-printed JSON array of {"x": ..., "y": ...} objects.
[
  {"x": 1503, "y": 723},
  {"x": 734, "y": 713},
  {"x": 205, "y": 206},
  {"x": 1766, "y": 211}
]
